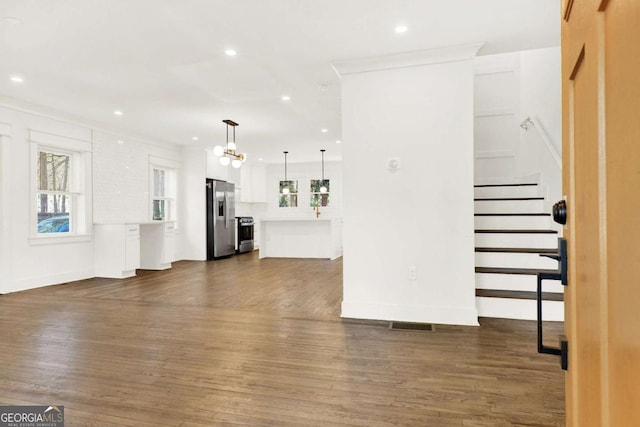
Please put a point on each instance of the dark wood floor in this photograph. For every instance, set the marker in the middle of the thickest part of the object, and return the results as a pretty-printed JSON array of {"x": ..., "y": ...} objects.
[{"x": 245, "y": 341}]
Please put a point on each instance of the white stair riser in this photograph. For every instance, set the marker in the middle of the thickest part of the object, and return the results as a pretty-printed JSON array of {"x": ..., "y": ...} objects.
[
  {"x": 515, "y": 282},
  {"x": 515, "y": 191},
  {"x": 511, "y": 260},
  {"x": 513, "y": 222},
  {"x": 508, "y": 308},
  {"x": 509, "y": 206},
  {"x": 516, "y": 240}
]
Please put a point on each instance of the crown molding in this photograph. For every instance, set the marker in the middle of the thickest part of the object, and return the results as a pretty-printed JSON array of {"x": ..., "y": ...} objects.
[{"x": 407, "y": 59}]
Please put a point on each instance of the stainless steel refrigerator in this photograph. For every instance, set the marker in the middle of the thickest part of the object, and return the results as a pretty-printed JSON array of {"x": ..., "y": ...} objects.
[{"x": 221, "y": 219}]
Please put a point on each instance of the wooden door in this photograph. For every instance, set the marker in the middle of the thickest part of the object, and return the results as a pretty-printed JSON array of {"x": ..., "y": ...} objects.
[{"x": 601, "y": 179}]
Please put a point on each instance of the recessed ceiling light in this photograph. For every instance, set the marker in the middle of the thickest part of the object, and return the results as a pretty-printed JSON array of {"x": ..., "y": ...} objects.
[
  {"x": 17, "y": 79},
  {"x": 338, "y": 142},
  {"x": 118, "y": 113},
  {"x": 230, "y": 52},
  {"x": 286, "y": 98},
  {"x": 195, "y": 138},
  {"x": 120, "y": 142},
  {"x": 260, "y": 159},
  {"x": 401, "y": 29},
  {"x": 325, "y": 130}
]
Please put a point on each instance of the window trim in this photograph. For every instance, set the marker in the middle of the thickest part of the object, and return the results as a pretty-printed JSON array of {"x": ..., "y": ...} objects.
[
  {"x": 171, "y": 169},
  {"x": 297, "y": 193},
  {"x": 312, "y": 193},
  {"x": 80, "y": 187}
]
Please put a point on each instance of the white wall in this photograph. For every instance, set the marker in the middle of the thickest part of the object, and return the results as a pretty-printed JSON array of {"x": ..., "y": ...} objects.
[
  {"x": 27, "y": 263},
  {"x": 541, "y": 90},
  {"x": 508, "y": 88},
  {"x": 497, "y": 115},
  {"x": 421, "y": 215},
  {"x": 304, "y": 173},
  {"x": 121, "y": 176},
  {"x": 120, "y": 179},
  {"x": 5, "y": 212},
  {"x": 194, "y": 204}
]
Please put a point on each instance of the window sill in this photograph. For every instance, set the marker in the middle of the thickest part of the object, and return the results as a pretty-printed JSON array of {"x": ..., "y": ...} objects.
[{"x": 55, "y": 240}]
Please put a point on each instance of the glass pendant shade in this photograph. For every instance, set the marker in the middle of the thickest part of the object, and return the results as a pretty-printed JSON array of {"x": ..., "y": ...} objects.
[
  {"x": 323, "y": 189},
  {"x": 236, "y": 163},
  {"x": 231, "y": 146},
  {"x": 224, "y": 161},
  {"x": 218, "y": 150},
  {"x": 285, "y": 190}
]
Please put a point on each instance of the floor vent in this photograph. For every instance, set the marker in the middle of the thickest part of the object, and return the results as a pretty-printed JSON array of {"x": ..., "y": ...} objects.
[{"x": 407, "y": 326}]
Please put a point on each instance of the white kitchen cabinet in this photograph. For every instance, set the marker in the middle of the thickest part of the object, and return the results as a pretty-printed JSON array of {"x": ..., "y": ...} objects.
[
  {"x": 235, "y": 176},
  {"x": 157, "y": 245},
  {"x": 253, "y": 186},
  {"x": 117, "y": 250},
  {"x": 258, "y": 184},
  {"x": 214, "y": 169},
  {"x": 169, "y": 254},
  {"x": 245, "y": 184},
  {"x": 256, "y": 235},
  {"x": 132, "y": 248}
]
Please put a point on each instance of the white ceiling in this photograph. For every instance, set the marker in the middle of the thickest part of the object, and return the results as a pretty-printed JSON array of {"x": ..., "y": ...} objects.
[{"x": 162, "y": 62}]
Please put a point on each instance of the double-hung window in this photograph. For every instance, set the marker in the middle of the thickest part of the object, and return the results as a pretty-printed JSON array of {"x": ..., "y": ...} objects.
[
  {"x": 55, "y": 199},
  {"x": 163, "y": 190},
  {"x": 61, "y": 206}
]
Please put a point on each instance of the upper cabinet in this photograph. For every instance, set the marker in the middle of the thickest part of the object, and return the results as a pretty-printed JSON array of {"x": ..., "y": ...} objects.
[
  {"x": 215, "y": 170},
  {"x": 252, "y": 184}
]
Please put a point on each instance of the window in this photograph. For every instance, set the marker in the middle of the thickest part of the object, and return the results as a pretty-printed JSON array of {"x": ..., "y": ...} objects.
[
  {"x": 163, "y": 201},
  {"x": 319, "y": 198},
  {"x": 290, "y": 199},
  {"x": 60, "y": 188},
  {"x": 54, "y": 199}
]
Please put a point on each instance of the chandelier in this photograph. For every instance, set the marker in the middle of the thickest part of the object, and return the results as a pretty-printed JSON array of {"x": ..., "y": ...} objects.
[{"x": 228, "y": 153}]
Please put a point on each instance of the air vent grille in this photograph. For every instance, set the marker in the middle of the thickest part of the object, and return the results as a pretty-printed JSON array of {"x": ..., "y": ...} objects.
[{"x": 408, "y": 326}]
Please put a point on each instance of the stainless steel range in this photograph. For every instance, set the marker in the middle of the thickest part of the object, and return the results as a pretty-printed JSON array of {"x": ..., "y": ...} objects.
[{"x": 245, "y": 234}]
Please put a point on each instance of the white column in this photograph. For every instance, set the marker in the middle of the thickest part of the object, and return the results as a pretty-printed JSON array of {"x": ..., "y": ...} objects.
[{"x": 414, "y": 111}]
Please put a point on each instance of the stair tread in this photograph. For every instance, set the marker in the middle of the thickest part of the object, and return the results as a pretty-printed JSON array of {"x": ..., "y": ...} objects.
[
  {"x": 519, "y": 250},
  {"x": 506, "y": 270},
  {"x": 514, "y": 214},
  {"x": 496, "y": 199},
  {"x": 528, "y": 295},
  {"x": 517, "y": 231},
  {"x": 505, "y": 185}
]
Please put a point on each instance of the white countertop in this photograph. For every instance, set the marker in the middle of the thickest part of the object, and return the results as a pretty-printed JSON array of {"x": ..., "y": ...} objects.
[
  {"x": 133, "y": 222},
  {"x": 297, "y": 219}
]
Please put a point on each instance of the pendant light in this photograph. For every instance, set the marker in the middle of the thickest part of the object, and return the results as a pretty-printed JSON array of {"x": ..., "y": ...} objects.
[
  {"x": 285, "y": 190},
  {"x": 323, "y": 189},
  {"x": 228, "y": 153}
]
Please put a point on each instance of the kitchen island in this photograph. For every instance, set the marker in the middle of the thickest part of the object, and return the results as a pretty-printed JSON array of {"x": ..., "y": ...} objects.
[{"x": 301, "y": 238}]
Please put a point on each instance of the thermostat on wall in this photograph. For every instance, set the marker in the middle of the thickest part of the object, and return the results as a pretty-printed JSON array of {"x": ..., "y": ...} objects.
[{"x": 393, "y": 164}]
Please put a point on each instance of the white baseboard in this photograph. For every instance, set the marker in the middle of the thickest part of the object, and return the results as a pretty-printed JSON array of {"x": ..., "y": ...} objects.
[
  {"x": 46, "y": 280},
  {"x": 410, "y": 313}
]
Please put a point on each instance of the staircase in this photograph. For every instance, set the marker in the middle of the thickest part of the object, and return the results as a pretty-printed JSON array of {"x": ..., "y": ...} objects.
[{"x": 511, "y": 231}]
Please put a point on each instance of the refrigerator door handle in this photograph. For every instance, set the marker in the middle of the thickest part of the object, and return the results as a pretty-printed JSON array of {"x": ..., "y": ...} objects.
[{"x": 226, "y": 211}]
